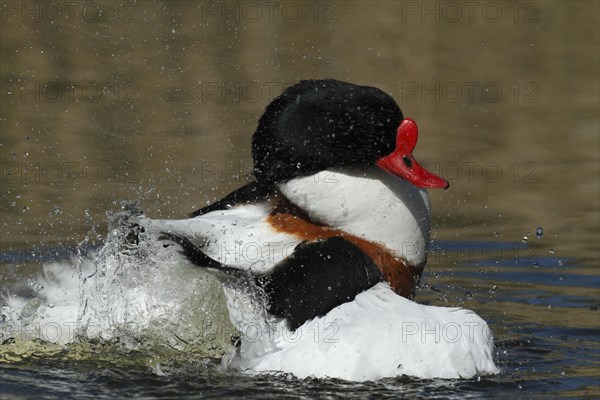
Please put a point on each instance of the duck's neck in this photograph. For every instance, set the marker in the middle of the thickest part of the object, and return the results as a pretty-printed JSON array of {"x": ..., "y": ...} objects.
[{"x": 368, "y": 203}]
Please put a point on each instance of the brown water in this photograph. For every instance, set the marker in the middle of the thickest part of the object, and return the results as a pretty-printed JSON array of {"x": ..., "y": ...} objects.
[{"x": 157, "y": 101}]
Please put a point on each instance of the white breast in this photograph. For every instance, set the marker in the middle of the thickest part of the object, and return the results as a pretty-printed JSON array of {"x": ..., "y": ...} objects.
[{"x": 368, "y": 203}]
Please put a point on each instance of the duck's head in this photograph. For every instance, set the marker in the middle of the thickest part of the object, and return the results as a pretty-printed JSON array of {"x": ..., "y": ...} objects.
[{"x": 319, "y": 124}]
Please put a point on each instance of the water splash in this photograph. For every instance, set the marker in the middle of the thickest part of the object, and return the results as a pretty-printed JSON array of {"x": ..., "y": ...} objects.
[
  {"x": 539, "y": 232},
  {"x": 136, "y": 294}
]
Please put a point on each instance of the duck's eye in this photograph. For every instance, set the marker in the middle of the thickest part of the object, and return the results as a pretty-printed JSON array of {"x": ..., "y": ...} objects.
[{"x": 407, "y": 161}]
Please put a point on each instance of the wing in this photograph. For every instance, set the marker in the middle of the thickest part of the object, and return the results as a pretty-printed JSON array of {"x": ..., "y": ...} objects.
[
  {"x": 316, "y": 278},
  {"x": 238, "y": 238}
]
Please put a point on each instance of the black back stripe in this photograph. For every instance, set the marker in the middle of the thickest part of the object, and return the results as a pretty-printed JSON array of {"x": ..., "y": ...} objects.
[{"x": 248, "y": 193}]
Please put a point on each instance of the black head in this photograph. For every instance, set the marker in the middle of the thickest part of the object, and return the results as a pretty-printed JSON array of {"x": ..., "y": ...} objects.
[{"x": 318, "y": 124}]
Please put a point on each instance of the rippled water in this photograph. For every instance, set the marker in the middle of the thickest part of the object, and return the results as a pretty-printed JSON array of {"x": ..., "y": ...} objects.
[
  {"x": 507, "y": 106},
  {"x": 63, "y": 379}
]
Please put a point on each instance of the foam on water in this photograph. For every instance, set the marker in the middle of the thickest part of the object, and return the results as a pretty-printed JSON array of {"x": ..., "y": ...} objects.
[{"x": 142, "y": 297}]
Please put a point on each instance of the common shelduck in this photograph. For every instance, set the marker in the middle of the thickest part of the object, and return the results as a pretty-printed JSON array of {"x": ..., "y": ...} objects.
[{"x": 319, "y": 256}]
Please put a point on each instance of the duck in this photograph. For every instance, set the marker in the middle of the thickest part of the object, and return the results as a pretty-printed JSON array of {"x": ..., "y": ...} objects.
[{"x": 319, "y": 256}]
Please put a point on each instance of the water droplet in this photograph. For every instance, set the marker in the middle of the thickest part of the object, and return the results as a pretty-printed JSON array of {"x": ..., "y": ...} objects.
[{"x": 539, "y": 232}]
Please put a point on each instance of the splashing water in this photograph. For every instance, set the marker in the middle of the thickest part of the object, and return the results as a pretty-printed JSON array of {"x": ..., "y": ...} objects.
[
  {"x": 142, "y": 298},
  {"x": 539, "y": 232}
]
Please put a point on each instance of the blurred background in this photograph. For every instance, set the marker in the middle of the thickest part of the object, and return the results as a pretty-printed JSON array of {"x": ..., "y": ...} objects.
[{"x": 157, "y": 101}]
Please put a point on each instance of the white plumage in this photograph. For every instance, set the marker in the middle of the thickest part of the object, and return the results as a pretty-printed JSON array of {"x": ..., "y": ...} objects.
[{"x": 378, "y": 335}]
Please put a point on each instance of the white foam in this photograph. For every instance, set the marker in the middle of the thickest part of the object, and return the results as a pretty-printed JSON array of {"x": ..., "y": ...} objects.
[{"x": 140, "y": 296}]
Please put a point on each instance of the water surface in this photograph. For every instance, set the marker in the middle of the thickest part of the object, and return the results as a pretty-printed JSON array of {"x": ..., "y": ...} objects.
[{"x": 157, "y": 102}]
